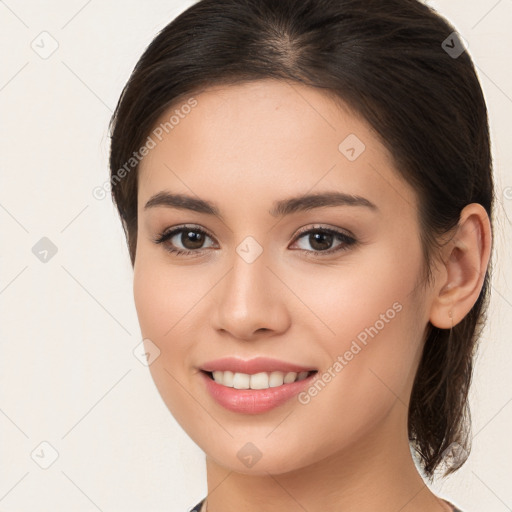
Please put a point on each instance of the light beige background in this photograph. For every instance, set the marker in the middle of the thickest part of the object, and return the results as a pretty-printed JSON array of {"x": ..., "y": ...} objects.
[{"x": 69, "y": 377}]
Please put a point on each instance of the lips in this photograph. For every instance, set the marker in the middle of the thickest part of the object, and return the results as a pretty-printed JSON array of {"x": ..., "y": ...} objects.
[
  {"x": 252, "y": 366},
  {"x": 254, "y": 401}
]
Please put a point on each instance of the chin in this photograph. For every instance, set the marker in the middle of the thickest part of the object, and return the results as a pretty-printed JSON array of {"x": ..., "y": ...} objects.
[{"x": 266, "y": 459}]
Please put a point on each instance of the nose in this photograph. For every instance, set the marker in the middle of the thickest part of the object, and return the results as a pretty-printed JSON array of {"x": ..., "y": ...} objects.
[{"x": 251, "y": 300}]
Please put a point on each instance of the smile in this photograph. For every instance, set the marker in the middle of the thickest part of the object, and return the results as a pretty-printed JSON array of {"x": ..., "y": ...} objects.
[
  {"x": 262, "y": 380},
  {"x": 247, "y": 400}
]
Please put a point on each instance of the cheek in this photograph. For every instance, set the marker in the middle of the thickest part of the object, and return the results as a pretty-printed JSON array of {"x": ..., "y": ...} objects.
[
  {"x": 170, "y": 302},
  {"x": 164, "y": 295},
  {"x": 162, "y": 315},
  {"x": 370, "y": 316},
  {"x": 370, "y": 359},
  {"x": 148, "y": 297},
  {"x": 159, "y": 310},
  {"x": 373, "y": 288}
]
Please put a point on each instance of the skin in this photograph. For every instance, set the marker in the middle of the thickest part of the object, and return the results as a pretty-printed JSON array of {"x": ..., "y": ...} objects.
[{"x": 243, "y": 147}]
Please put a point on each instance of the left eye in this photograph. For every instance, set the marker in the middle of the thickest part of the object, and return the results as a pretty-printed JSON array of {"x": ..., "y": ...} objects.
[{"x": 321, "y": 240}]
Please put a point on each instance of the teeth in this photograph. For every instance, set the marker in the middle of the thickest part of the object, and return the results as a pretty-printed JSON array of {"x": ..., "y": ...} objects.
[{"x": 263, "y": 380}]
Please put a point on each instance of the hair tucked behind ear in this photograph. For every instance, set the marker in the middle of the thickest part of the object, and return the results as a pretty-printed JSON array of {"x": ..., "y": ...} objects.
[{"x": 384, "y": 58}]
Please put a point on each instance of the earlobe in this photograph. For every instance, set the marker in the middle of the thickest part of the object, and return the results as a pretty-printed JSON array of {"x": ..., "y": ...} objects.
[{"x": 466, "y": 258}]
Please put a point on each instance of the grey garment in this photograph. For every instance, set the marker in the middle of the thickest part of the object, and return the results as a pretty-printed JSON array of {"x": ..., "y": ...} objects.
[
  {"x": 197, "y": 508},
  {"x": 455, "y": 509}
]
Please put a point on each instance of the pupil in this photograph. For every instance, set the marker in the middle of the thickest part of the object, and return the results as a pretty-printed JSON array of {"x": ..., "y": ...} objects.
[
  {"x": 319, "y": 238},
  {"x": 193, "y": 237}
]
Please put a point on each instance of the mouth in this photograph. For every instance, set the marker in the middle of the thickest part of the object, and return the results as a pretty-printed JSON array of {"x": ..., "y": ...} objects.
[
  {"x": 255, "y": 393},
  {"x": 261, "y": 380}
]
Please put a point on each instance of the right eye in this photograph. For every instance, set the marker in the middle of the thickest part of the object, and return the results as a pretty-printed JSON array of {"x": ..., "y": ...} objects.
[{"x": 190, "y": 237}]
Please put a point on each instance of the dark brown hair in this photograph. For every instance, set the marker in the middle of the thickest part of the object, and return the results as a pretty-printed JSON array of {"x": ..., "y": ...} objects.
[{"x": 399, "y": 65}]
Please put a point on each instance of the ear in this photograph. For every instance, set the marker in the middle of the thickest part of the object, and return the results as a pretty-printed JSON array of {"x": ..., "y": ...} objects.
[{"x": 465, "y": 259}]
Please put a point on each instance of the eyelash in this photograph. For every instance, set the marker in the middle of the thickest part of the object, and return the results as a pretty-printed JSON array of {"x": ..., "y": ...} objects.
[{"x": 346, "y": 239}]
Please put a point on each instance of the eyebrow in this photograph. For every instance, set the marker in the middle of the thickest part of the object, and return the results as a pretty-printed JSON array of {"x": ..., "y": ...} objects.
[{"x": 282, "y": 207}]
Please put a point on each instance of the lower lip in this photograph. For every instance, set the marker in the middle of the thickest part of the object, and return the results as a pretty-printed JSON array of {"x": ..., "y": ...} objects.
[{"x": 254, "y": 401}]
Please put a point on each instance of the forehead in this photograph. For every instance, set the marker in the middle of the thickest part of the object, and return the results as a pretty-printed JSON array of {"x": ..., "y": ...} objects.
[{"x": 267, "y": 137}]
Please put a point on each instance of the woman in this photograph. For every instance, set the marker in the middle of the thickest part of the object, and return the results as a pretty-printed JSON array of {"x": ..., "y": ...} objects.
[{"x": 306, "y": 191}]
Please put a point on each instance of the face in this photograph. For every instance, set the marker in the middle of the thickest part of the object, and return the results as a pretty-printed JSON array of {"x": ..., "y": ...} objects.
[{"x": 333, "y": 286}]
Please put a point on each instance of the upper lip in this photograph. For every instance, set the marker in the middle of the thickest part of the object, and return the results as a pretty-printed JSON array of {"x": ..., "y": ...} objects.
[{"x": 252, "y": 366}]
